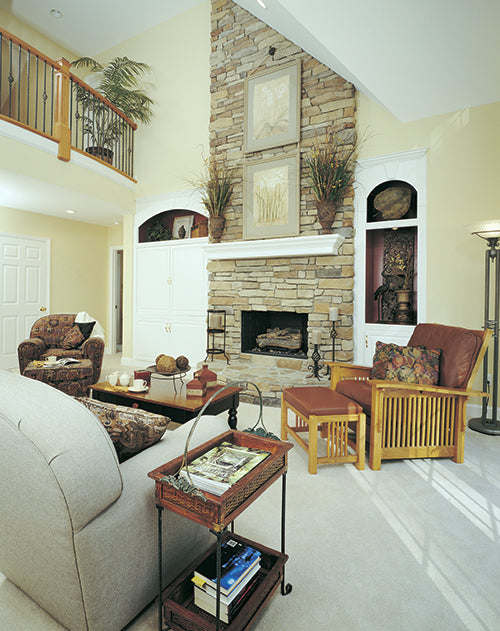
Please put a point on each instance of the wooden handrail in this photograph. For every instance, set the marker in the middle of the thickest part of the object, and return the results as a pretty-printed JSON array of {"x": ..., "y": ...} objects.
[{"x": 62, "y": 99}]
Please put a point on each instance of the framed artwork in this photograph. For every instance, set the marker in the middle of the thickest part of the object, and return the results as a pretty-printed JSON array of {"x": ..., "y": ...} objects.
[
  {"x": 271, "y": 198},
  {"x": 272, "y": 108},
  {"x": 182, "y": 227}
]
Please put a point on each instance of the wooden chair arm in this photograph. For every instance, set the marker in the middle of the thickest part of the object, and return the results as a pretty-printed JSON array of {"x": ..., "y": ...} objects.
[
  {"x": 422, "y": 388},
  {"x": 347, "y": 371}
]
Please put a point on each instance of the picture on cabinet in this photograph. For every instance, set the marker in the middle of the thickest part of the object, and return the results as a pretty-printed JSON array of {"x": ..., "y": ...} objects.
[{"x": 182, "y": 227}]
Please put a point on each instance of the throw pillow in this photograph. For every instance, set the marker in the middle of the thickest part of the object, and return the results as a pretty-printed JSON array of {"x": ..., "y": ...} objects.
[
  {"x": 131, "y": 430},
  {"x": 73, "y": 338},
  {"x": 85, "y": 328},
  {"x": 383, "y": 355},
  {"x": 414, "y": 364}
]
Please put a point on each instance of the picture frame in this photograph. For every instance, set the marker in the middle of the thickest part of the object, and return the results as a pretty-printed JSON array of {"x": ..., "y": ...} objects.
[
  {"x": 187, "y": 222},
  {"x": 271, "y": 198},
  {"x": 272, "y": 108}
]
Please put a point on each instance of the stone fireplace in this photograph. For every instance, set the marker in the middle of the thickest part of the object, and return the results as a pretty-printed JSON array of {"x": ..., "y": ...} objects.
[{"x": 305, "y": 274}]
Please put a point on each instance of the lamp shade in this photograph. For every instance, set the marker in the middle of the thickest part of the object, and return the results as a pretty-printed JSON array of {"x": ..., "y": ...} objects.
[{"x": 486, "y": 229}]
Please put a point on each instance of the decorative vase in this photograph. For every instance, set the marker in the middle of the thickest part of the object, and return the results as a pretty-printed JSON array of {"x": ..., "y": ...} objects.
[
  {"x": 404, "y": 315},
  {"x": 101, "y": 152},
  {"x": 216, "y": 226},
  {"x": 326, "y": 214}
]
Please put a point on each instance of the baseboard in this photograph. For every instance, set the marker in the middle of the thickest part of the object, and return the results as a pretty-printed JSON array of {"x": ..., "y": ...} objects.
[{"x": 475, "y": 410}]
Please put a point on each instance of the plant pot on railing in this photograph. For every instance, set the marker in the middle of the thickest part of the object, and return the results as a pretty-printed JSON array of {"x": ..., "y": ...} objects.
[{"x": 102, "y": 153}]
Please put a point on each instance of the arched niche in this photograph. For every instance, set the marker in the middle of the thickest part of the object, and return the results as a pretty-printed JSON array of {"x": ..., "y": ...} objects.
[{"x": 177, "y": 223}]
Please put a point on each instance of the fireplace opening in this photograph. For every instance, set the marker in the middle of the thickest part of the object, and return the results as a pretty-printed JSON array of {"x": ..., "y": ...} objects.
[{"x": 282, "y": 333}]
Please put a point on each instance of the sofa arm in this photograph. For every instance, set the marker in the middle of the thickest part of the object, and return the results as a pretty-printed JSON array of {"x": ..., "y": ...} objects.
[
  {"x": 93, "y": 349},
  {"x": 30, "y": 350}
]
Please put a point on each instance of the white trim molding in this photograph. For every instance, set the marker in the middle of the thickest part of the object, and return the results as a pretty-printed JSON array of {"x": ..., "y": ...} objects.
[{"x": 276, "y": 248}]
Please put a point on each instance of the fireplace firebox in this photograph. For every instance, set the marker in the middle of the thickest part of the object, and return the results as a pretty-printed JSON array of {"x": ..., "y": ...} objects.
[{"x": 254, "y": 323}]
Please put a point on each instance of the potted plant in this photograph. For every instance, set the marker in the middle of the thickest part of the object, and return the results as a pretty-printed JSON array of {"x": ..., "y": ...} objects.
[
  {"x": 330, "y": 172},
  {"x": 217, "y": 189},
  {"x": 119, "y": 81}
]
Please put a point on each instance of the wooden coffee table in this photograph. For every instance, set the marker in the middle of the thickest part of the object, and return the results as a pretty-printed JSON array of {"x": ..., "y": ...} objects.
[{"x": 161, "y": 398}]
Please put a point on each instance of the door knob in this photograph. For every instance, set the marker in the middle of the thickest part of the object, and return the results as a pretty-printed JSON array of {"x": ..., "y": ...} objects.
[{"x": 43, "y": 308}]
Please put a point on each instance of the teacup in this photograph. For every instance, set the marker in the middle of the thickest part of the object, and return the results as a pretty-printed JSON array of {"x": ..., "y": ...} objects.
[
  {"x": 113, "y": 378},
  {"x": 124, "y": 379},
  {"x": 51, "y": 359},
  {"x": 140, "y": 384}
]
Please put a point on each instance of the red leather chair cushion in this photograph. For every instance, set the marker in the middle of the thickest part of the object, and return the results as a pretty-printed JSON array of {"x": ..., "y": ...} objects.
[
  {"x": 359, "y": 391},
  {"x": 320, "y": 401},
  {"x": 459, "y": 349}
]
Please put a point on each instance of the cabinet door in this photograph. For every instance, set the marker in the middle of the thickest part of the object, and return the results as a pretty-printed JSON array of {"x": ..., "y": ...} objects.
[
  {"x": 189, "y": 281},
  {"x": 153, "y": 281},
  {"x": 396, "y": 334}
]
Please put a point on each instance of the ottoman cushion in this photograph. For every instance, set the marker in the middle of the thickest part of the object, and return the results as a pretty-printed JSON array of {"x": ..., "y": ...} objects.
[{"x": 320, "y": 401}]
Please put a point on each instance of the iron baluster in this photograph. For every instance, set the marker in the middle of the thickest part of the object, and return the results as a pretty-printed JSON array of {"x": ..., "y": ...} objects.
[
  {"x": 36, "y": 93},
  {"x": 44, "y": 94},
  {"x": 28, "y": 91},
  {"x": 19, "y": 83},
  {"x": 10, "y": 78},
  {"x": 52, "y": 103}
]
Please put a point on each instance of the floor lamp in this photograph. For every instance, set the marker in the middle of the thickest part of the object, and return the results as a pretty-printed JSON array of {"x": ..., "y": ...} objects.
[{"x": 490, "y": 231}]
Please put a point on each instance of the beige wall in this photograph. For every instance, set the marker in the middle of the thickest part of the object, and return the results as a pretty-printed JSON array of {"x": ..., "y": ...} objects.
[
  {"x": 78, "y": 259},
  {"x": 169, "y": 151},
  {"x": 463, "y": 162}
]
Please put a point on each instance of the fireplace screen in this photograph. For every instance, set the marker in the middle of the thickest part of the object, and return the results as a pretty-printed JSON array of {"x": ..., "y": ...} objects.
[{"x": 274, "y": 333}]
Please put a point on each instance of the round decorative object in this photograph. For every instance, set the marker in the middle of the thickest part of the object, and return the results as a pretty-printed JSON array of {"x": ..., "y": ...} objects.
[
  {"x": 393, "y": 202},
  {"x": 216, "y": 227},
  {"x": 166, "y": 364},
  {"x": 182, "y": 362},
  {"x": 173, "y": 375},
  {"x": 326, "y": 214}
]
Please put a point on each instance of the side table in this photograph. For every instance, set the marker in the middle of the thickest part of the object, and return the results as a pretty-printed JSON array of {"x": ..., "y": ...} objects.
[{"x": 217, "y": 513}]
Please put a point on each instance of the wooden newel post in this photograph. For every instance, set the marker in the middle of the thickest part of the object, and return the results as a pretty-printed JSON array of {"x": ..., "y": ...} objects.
[{"x": 62, "y": 130}]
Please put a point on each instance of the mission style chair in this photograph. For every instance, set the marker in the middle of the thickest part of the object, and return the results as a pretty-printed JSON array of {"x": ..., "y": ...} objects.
[{"x": 413, "y": 420}]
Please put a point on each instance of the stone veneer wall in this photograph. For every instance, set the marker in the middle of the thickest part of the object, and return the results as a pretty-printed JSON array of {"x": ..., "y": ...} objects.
[{"x": 240, "y": 44}]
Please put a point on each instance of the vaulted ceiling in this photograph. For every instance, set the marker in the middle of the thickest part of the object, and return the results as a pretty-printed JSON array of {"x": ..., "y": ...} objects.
[{"x": 416, "y": 59}]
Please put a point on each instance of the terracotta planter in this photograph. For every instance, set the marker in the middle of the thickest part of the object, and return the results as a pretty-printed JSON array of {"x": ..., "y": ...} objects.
[
  {"x": 326, "y": 214},
  {"x": 216, "y": 226}
]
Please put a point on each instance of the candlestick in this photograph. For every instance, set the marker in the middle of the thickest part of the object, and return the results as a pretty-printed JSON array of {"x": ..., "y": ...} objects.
[
  {"x": 333, "y": 313},
  {"x": 316, "y": 337}
]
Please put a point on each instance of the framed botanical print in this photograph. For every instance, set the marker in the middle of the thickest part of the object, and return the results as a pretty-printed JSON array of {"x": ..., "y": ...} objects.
[
  {"x": 272, "y": 108},
  {"x": 271, "y": 198},
  {"x": 182, "y": 227}
]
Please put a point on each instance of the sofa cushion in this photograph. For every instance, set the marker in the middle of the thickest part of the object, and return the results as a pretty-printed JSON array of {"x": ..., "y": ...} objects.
[
  {"x": 384, "y": 354},
  {"x": 459, "y": 349},
  {"x": 359, "y": 391},
  {"x": 130, "y": 429},
  {"x": 319, "y": 401},
  {"x": 73, "y": 338}
]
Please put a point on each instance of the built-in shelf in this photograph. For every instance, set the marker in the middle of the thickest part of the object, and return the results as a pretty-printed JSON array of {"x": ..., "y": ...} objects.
[{"x": 276, "y": 248}]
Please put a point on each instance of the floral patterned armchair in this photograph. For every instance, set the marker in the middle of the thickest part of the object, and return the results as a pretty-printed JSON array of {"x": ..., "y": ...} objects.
[{"x": 61, "y": 336}]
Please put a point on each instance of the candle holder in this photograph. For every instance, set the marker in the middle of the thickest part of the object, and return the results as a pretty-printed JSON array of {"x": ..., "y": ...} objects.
[{"x": 315, "y": 366}]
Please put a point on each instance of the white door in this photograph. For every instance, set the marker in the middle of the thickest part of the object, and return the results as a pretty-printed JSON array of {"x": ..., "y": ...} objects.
[{"x": 24, "y": 290}]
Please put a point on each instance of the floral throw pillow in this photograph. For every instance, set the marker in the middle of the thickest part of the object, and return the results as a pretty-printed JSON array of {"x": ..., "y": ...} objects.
[
  {"x": 415, "y": 364},
  {"x": 130, "y": 429},
  {"x": 73, "y": 338},
  {"x": 409, "y": 364}
]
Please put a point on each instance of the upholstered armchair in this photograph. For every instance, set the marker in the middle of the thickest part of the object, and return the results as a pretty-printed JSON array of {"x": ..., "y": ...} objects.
[
  {"x": 59, "y": 335},
  {"x": 418, "y": 420}
]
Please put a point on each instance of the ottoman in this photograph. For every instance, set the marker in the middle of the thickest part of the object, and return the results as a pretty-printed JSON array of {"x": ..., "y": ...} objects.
[
  {"x": 73, "y": 379},
  {"x": 319, "y": 408}
]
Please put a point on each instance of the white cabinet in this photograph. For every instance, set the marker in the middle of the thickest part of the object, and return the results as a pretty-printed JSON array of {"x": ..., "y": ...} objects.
[{"x": 171, "y": 299}]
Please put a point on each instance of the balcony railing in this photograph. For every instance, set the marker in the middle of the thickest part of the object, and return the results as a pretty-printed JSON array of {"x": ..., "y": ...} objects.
[{"x": 42, "y": 95}]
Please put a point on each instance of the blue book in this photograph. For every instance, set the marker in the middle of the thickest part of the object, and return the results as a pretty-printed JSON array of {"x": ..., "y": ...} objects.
[{"x": 237, "y": 559}]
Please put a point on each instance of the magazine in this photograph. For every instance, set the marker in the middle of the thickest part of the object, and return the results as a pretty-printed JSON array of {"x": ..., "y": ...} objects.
[
  {"x": 221, "y": 467},
  {"x": 62, "y": 362},
  {"x": 237, "y": 559}
]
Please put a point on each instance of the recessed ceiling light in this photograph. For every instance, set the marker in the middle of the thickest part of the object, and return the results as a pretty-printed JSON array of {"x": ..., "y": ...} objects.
[
  {"x": 56, "y": 13},
  {"x": 261, "y": 4},
  {"x": 71, "y": 212}
]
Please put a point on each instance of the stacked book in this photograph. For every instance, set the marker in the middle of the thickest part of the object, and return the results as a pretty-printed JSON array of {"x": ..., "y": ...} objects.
[
  {"x": 240, "y": 564},
  {"x": 221, "y": 467}
]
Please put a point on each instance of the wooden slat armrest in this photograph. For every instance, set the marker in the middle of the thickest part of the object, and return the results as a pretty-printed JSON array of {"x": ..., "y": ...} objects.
[{"x": 418, "y": 387}]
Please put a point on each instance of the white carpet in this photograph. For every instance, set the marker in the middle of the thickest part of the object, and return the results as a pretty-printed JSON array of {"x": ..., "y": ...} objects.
[{"x": 415, "y": 546}]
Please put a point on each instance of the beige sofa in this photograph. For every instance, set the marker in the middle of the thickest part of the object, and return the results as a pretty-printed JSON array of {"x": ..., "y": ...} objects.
[{"x": 78, "y": 530}]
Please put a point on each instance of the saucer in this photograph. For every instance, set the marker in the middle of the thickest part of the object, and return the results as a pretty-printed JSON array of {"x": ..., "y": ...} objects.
[{"x": 132, "y": 389}]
